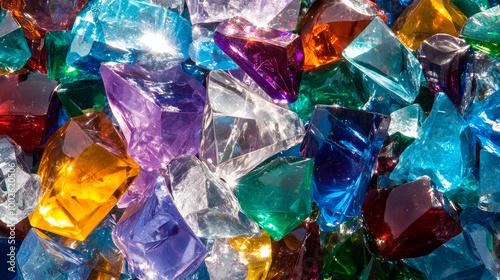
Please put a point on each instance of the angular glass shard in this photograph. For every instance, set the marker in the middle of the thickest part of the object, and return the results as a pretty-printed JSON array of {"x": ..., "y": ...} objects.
[
  {"x": 174, "y": 5},
  {"x": 425, "y": 18},
  {"x": 194, "y": 71},
  {"x": 131, "y": 32},
  {"x": 392, "y": 70},
  {"x": 206, "y": 203},
  {"x": 345, "y": 145},
  {"x": 255, "y": 252},
  {"x": 19, "y": 189},
  {"x": 82, "y": 97},
  {"x": 29, "y": 111},
  {"x": 278, "y": 195},
  {"x": 489, "y": 173},
  {"x": 274, "y": 59},
  {"x": 483, "y": 75},
  {"x": 159, "y": 113},
  {"x": 205, "y": 53},
  {"x": 41, "y": 258},
  {"x": 14, "y": 51},
  {"x": 482, "y": 31},
  {"x": 444, "y": 59},
  {"x": 57, "y": 45},
  {"x": 484, "y": 118},
  {"x": 338, "y": 83},
  {"x": 84, "y": 170},
  {"x": 330, "y": 26},
  {"x": 391, "y": 151},
  {"x": 224, "y": 262},
  {"x": 472, "y": 7},
  {"x": 410, "y": 220},
  {"x": 140, "y": 189},
  {"x": 393, "y": 8},
  {"x": 241, "y": 129},
  {"x": 407, "y": 121},
  {"x": 155, "y": 240},
  {"x": 444, "y": 150},
  {"x": 259, "y": 12}
]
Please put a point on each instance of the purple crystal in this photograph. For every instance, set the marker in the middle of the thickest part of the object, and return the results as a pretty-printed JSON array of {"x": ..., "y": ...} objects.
[
  {"x": 155, "y": 240},
  {"x": 139, "y": 190},
  {"x": 159, "y": 113},
  {"x": 273, "y": 58},
  {"x": 443, "y": 59}
]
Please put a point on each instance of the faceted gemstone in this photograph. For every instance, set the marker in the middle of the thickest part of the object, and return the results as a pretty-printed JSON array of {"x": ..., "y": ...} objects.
[
  {"x": 483, "y": 75},
  {"x": 131, "y": 32},
  {"x": 206, "y": 203},
  {"x": 205, "y": 53},
  {"x": 489, "y": 173},
  {"x": 28, "y": 111},
  {"x": 456, "y": 259},
  {"x": 410, "y": 220},
  {"x": 140, "y": 189},
  {"x": 255, "y": 252},
  {"x": 338, "y": 83},
  {"x": 483, "y": 118},
  {"x": 392, "y": 72},
  {"x": 224, "y": 262},
  {"x": 82, "y": 97},
  {"x": 14, "y": 51},
  {"x": 444, "y": 150},
  {"x": 159, "y": 113},
  {"x": 273, "y": 58},
  {"x": 281, "y": 15},
  {"x": 57, "y": 45},
  {"x": 242, "y": 129},
  {"x": 155, "y": 240},
  {"x": 330, "y": 26},
  {"x": 84, "y": 170},
  {"x": 393, "y": 8},
  {"x": 19, "y": 189},
  {"x": 174, "y": 5},
  {"x": 38, "y": 17},
  {"x": 407, "y": 121},
  {"x": 425, "y": 18},
  {"x": 194, "y": 71},
  {"x": 344, "y": 144},
  {"x": 482, "y": 31},
  {"x": 472, "y": 7},
  {"x": 41, "y": 258},
  {"x": 298, "y": 254},
  {"x": 8, "y": 257},
  {"x": 391, "y": 151}
]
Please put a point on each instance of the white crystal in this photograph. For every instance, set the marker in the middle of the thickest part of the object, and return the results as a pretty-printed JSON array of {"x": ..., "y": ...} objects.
[
  {"x": 224, "y": 262},
  {"x": 407, "y": 121}
]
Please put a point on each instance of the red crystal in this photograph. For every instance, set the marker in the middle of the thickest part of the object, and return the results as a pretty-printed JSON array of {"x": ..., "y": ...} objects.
[{"x": 410, "y": 220}]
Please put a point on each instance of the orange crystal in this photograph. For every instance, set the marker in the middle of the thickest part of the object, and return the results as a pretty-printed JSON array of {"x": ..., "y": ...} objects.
[
  {"x": 425, "y": 18},
  {"x": 331, "y": 25},
  {"x": 85, "y": 169}
]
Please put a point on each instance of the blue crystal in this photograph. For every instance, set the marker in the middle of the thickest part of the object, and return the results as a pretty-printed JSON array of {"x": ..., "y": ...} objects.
[
  {"x": 194, "y": 71},
  {"x": 129, "y": 32},
  {"x": 201, "y": 273},
  {"x": 8, "y": 257},
  {"x": 345, "y": 145},
  {"x": 42, "y": 258},
  {"x": 444, "y": 150},
  {"x": 392, "y": 73},
  {"x": 484, "y": 119},
  {"x": 14, "y": 51},
  {"x": 489, "y": 181},
  {"x": 206, "y": 54},
  {"x": 393, "y": 8}
]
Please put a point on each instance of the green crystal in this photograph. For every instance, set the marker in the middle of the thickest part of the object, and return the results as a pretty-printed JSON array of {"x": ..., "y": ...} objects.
[
  {"x": 491, "y": 48},
  {"x": 57, "y": 46},
  {"x": 277, "y": 195},
  {"x": 482, "y": 31},
  {"x": 82, "y": 97},
  {"x": 338, "y": 83}
]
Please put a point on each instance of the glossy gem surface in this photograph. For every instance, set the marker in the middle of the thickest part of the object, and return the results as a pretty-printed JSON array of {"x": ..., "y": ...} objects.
[
  {"x": 14, "y": 51},
  {"x": 482, "y": 31}
]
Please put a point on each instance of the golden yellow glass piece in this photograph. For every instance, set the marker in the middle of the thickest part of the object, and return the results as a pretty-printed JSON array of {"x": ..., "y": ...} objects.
[
  {"x": 85, "y": 169},
  {"x": 425, "y": 18},
  {"x": 256, "y": 253}
]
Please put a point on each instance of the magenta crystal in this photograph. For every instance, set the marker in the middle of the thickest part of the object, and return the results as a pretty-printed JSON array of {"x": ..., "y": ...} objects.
[
  {"x": 159, "y": 113},
  {"x": 273, "y": 58}
]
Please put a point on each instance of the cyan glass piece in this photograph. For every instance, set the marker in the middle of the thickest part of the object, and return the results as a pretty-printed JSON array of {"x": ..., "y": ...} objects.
[
  {"x": 444, "y": 150},
  {"x": 206, "y": 54},
  {"x": 14, "y": 51},
  {"x": 484, "y": 120},
  {"x": 392, "y": 72},
  {"x": 345, "y": 145},
  {"x": 489, "y": 181},
  {"x": 407, "y": 121},
  {"x": 201, "y": 273},
  {"x": 42, "y": 258},
  {"x": 129, "y": 32},
  {"x": 393, "y": 8}
]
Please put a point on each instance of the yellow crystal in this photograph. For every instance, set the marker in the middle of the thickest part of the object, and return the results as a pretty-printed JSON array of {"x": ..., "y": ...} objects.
[
  {"x": 256, "y": 253},
  {"x": 425, "y": 18},
  {"x": 85, "y": 169}
]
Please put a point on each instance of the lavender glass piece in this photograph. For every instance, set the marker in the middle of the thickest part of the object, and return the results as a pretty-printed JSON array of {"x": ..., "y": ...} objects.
[
  {"x": 273, "y": 58},
  {"x": 159, "y": 113}
]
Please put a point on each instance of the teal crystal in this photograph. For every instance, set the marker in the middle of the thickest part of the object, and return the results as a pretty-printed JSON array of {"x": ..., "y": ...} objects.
[
  {"x": 482, "y": 31},
  {"x": 489, "y": 181},
  {"x": 82, "y": 97},
  {"x": 57, "y": 45},
  {"x": 339, "y": 83},
  {"x": 484, "y": 118},
  {"x": 128, "y": 32},
  {"x": 278, "y": 195},
  {"x": 14, "y": 51},
  {"x": 407, "y": 121},
  {"x": 444, "y": 150},
  {"x": 392, "y": 73},
  {"x": 205, "y": 53},
  {"x": 472, "y": 7}
]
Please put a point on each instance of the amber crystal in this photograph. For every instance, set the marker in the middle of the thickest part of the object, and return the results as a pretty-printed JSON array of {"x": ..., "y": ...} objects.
[
  {"x": 256, "y": 253},
  {"x": 85, "y": 169}
]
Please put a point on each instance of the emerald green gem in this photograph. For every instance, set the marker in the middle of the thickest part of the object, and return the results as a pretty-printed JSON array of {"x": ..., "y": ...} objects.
[
  {"x": 57, "y": 46},
  {"x": 491, "y": 48},
  {"x": 277, "y": 195},
  {"x": 82, "y": 97},
  {"x": 338, "y": 83}
]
